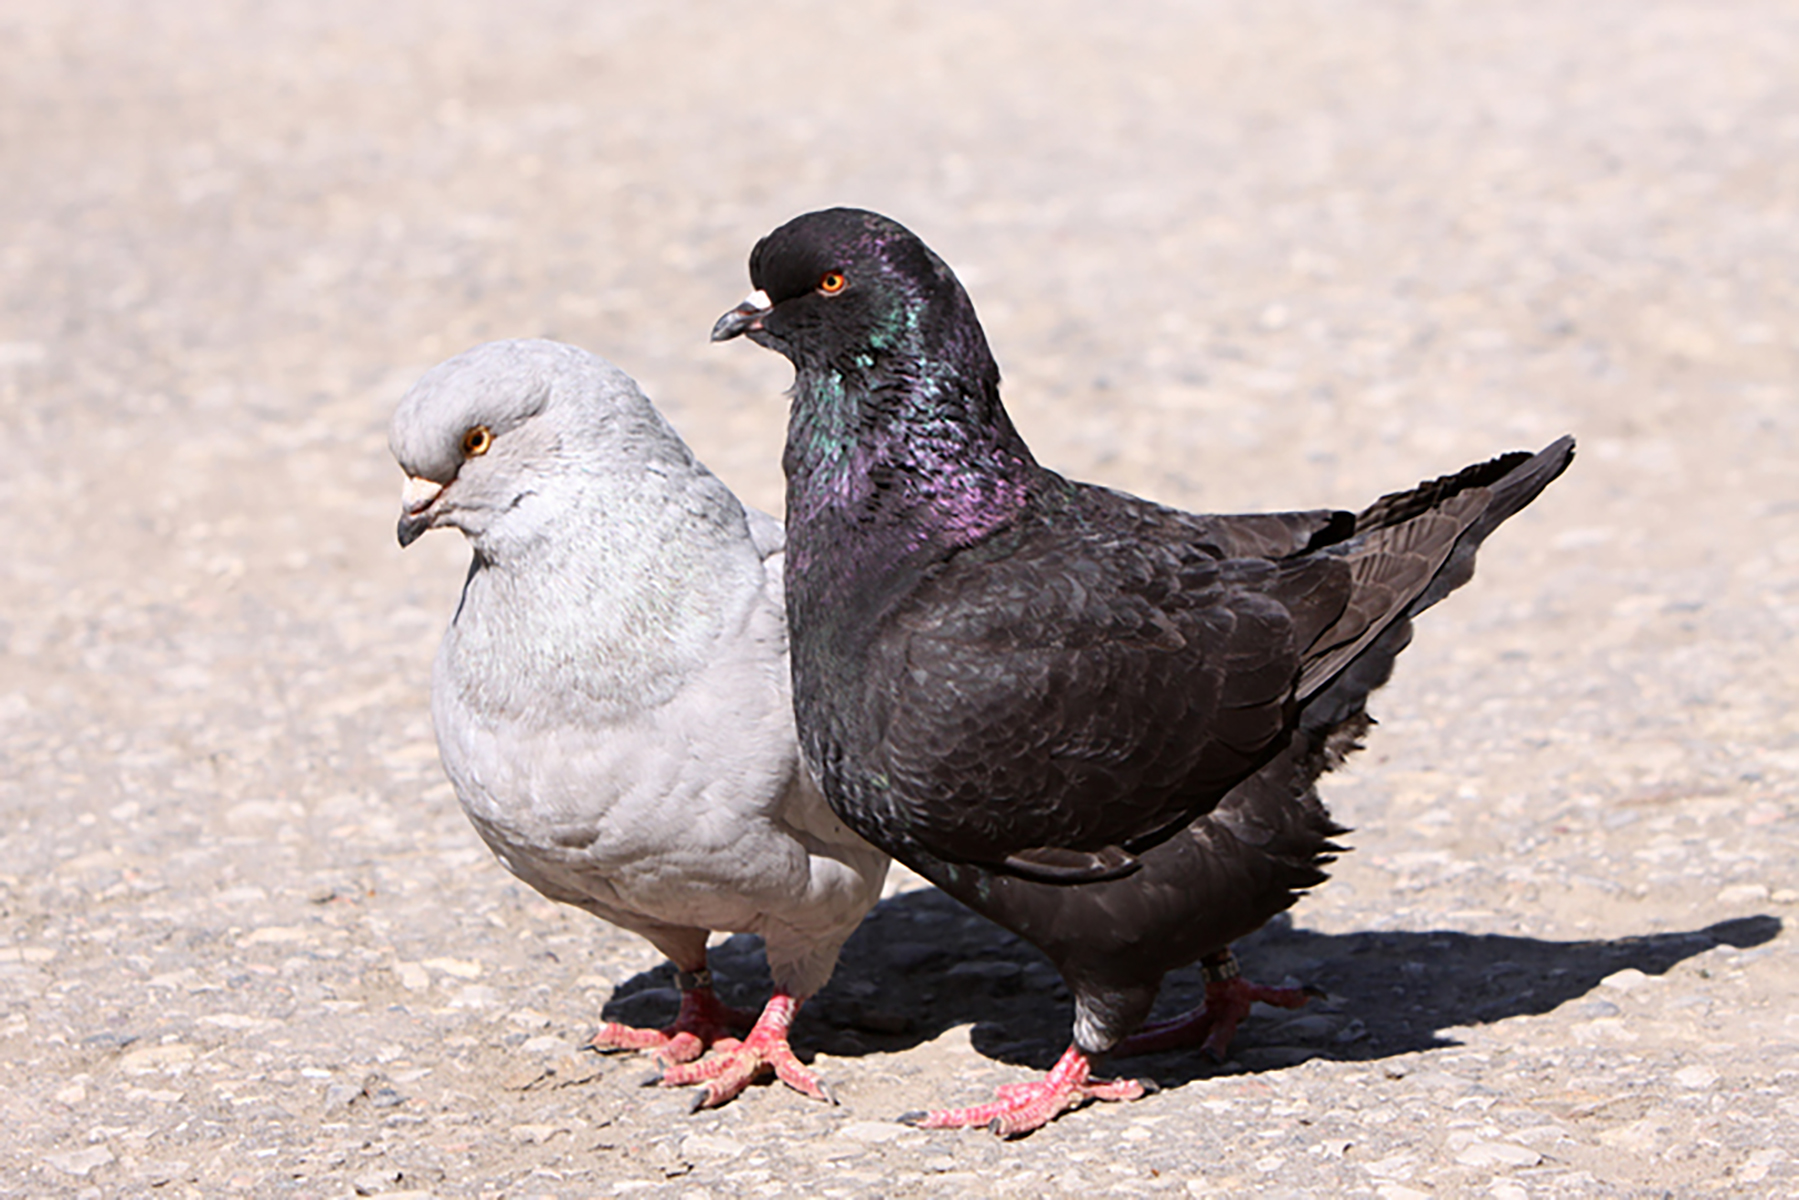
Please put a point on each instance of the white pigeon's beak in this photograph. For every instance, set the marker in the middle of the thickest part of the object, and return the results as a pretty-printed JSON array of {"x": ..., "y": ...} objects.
[
  {"x": 745, "y": 318},
  {"x": 415, "y": 507}
]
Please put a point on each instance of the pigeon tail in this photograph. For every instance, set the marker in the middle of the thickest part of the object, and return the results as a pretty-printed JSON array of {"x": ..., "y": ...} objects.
[{"x": 1410, "y": 549}]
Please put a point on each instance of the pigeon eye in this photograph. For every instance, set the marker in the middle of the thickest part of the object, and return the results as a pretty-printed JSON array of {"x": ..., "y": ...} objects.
[
  {"x": 476, "y": 441},
  {"x": 832, "y": 283}
]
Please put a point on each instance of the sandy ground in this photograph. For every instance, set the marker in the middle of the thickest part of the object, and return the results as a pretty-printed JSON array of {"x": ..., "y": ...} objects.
[{"x": 1232, "y": 256}]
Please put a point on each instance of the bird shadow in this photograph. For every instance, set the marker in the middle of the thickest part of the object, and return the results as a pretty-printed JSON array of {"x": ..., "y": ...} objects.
[{"x": 921, "y": 964}]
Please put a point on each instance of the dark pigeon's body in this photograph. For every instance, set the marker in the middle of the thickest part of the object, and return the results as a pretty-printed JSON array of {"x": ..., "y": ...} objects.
[{"x": 1093, "y": 719}]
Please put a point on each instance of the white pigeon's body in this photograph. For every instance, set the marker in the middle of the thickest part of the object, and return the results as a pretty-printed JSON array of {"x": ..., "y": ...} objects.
[
  {"x": 642, "y": 764},
  {"x": 612, "y": 696}
]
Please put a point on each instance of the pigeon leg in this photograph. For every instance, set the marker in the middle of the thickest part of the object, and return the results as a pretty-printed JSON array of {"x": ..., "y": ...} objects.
[
  {"x": 1023, "y": 1107},
  {"x": 1211, "y": 1026},
  {"x": 703, "y": 1021},
  {"x": 732, "y": 1065}
]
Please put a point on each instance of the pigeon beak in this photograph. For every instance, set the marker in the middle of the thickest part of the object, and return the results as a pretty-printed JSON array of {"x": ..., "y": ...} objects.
[
  {"x": 745, "y": 318},
  {"x": 415, "y": 507}
]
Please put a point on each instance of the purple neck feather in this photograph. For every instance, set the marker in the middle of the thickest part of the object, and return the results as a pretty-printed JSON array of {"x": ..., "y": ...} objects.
[{"x": 901, "y": 493}]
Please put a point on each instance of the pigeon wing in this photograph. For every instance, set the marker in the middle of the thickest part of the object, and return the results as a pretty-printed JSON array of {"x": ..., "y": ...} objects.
[{"x": 1053, "y": 711}]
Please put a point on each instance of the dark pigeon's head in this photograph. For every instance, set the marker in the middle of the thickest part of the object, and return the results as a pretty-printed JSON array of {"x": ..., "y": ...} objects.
[{"x": 846, "y": 289}]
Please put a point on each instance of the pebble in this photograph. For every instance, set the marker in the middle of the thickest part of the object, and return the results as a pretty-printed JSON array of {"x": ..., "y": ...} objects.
[
  {"x": 1696, "y": 1077},
  {"x": 876, "y": 1132},
  {"x": 1627, "y": 980},
  {"x": 703, "y": 1145},
  {"x": 79, "y": 1162},
  {"x": 341, "y": 1095},
  {"x": 1495, "y": 1154}
]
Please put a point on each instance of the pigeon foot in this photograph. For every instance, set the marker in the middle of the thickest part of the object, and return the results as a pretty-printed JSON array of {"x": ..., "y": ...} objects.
[
  {"x": 1024, "y": 1107},
  {"x": 1212, "y": 1025},
  {"x": 704, "y": 1020},
  {"x": 734, "y": 1065}
]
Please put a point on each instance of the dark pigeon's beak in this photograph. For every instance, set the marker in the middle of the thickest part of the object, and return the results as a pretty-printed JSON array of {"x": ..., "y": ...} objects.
[
  {"x": 415, "y": 508},
  {"x": 745, "y": 318}
]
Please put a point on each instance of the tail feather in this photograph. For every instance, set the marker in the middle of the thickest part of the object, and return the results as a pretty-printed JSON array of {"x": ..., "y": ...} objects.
[
  {"x": 1396, "y": 508},
  {"x": 1510, "y": 494},
  {"x": 1410, "y": 549}
]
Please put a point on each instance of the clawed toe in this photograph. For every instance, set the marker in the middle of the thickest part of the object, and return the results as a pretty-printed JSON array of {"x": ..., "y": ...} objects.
[
  {"x": 1022, "y": 1108},
  {"x": 733, "y": 1065},
  {"x": 704, "y": 1020},
  {"x": 1212, "y": 1026}
]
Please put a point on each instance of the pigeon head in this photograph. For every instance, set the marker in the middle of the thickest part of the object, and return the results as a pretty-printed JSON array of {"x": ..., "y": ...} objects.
[
  {"x": 897, "y": 439},
  {"x": 848, "y": 291},
  {"x": 493, "y": 439}
]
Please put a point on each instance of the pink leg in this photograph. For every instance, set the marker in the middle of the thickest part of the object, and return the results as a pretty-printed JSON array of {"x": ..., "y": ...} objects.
[
  {"x": 1023, "y": 1107},
  {"x": 732, "y": 1065},
  {"x": 1211, "y": 1026},
  {"x": 704, "y": 1020}
]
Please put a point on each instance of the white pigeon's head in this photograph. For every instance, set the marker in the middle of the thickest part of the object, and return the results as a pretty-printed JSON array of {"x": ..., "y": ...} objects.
[{"x": 494, "y": 441}]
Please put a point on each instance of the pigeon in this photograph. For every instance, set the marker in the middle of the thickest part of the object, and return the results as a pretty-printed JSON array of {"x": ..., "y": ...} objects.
[
  {"x": 1091, "y": 718},
  {"x": 611, "y": 698}
]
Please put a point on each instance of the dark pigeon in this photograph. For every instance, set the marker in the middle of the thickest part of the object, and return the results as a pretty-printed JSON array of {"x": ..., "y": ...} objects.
[{"x": 1095, "y": 720}]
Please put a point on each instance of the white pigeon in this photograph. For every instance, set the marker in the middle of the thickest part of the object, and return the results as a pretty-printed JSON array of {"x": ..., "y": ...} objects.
[{"x": 612, "y": 696}]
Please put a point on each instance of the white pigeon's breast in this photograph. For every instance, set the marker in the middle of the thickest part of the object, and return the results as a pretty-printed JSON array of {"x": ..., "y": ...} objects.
[{"x": 689, "y": 811}]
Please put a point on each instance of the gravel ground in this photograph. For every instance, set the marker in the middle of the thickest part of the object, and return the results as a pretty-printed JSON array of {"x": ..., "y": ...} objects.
[{"x": 1231, "y": 256}]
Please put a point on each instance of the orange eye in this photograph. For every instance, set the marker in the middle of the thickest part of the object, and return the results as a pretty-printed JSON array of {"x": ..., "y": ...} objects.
[
  {"x": 477, "y": 441},
  {"x": 832, "y": 283}
]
